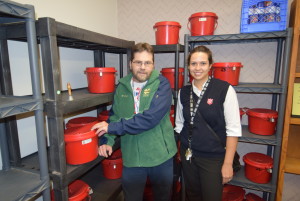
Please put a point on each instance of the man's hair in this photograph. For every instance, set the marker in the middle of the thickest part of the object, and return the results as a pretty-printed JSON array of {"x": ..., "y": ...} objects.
[
  {"x": 201, "y": 49},
  {"x": 141, "y": 47}
]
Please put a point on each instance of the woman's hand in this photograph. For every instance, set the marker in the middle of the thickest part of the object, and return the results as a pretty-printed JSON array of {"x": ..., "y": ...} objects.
[
  {"x": 105, "y": 150},
  {"x": 101, "y": 127},
  {"x": 227, "y": 172}
]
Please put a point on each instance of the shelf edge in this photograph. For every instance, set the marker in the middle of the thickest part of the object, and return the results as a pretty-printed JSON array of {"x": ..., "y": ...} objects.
[{"x": 295, "y": 121}]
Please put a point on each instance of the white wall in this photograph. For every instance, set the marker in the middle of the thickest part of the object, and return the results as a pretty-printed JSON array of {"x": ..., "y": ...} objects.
[{"x": 95, "y": 15}]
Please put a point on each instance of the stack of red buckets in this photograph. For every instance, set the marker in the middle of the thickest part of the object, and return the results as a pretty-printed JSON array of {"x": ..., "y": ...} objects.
[
  {"x": 113, "y": 165},
  {"x": 258, "y": 166}
]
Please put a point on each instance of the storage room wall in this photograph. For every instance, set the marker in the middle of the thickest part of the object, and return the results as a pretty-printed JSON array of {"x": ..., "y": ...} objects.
[
  {"x": 135, "y": 22},
  {"x": 95, "y": 15}
]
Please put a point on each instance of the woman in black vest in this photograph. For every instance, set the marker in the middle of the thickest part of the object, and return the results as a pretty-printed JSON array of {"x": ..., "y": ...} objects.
[{"x": 208, "y": 121}]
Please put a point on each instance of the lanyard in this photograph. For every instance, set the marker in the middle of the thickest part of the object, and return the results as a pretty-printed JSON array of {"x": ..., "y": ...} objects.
[{"x": 194, "y": 110}]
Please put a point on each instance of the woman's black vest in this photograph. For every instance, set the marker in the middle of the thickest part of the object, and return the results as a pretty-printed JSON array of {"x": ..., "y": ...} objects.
[{"x": 205, "y": 143}]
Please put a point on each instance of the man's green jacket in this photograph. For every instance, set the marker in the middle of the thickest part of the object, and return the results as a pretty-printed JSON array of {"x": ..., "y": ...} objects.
[{"x": 147, "y": 138}]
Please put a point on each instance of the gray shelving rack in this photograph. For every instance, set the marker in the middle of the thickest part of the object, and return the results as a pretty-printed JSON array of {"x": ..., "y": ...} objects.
[
  {"x": 176, "y": 49},
  {"x": 52, "y": 35},
  {"x": 17, "y": 182},
  {"x": 278, "y": 88}
]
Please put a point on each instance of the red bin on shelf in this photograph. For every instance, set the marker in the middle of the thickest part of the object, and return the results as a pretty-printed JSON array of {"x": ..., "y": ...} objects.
[
  {"x": 169, "y": 73},
  {"x": 167, "y": 32},
  {"x": 233, "y": 193},
  {"x": 203, "y": 23},
  {"x": 258, "y": 167},
  {"x": 81, "y": 145},
  {"x": 78, "y": 190},
  {"x": 100, "y": 79},
  {"x": 229, "y": 72},
  {"x": 113, "y": 165},
  {"x": 262, "y": 121}
]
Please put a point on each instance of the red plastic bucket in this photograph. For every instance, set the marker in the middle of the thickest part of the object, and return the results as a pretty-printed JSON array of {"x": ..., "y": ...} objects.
[
  {"x": 148, "y": 193},
  {"x": 229, "y": 72},
  {"x": 258, "y": 167},
  {"x": 172, "y": 115},
  {"x": 78, "y": 190},
  {"x": 100, "y": 80},
  {"x": 81, "y": 144},
  {"x": 262, "y": 121},
  {"x": 116, "y": 154},
  {"x": 103, "y": 116},
  {"x": 233, "y": 193},
  {"x": 253, "y": 197},
  {"x": 81, "y": 121},
  {"x": 169, "y": 73},
  {"x": 113, "y": 165},
  {"x": 166, "y": 32},
  {"x": 203, "y": 23}
]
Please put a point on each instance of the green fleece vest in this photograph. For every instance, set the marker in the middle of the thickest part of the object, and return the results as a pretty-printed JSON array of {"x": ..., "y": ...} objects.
[{"x": 152, "y": 147}]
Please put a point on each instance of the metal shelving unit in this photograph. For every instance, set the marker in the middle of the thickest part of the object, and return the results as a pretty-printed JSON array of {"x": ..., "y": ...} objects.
[
  {"x": 17, "y": 182},
  {"x": 176, "y": 49},
  {"x": 53, "y": 35},
  {"x": 278, "y": 89}
]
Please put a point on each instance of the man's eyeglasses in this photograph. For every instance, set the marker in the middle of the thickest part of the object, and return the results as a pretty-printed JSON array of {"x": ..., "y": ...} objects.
[{"x": 140, "y": 63}]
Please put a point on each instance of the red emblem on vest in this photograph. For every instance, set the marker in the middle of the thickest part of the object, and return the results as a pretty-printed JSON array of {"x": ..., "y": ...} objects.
[{"x": 210, "y": 101}]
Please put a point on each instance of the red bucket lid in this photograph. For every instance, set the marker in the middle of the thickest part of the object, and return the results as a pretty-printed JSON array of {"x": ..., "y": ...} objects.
[
  {"x": 258, "y": 160},
  {"x": 79, "y": 133},
  {"x": 204, "y": 14},
  {"x": 262, "y": 113},
  {"x": 171, "y": 70},
  {"x": 227, "y": 64},
  {"x": 253, "y": 197},
  {"x": 78, "y": 190},
  {"x": 233, "y": 193},
  {"x": 100, "y": 69},
  {"x": 167, "y": 23},
  {"x": 81, "y": 121}
]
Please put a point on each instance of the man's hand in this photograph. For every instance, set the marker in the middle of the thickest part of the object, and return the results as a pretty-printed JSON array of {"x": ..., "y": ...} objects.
[
  {"x": 105, "y": 150},
  {"x": 101, "y": 127}
]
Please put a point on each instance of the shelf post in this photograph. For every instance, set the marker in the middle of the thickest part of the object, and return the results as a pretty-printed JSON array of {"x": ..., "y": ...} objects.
[
  {"x": 7, "y": 89},
  {"x": 37, "y": 94},
  {"x": 4, "y": 148}
]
